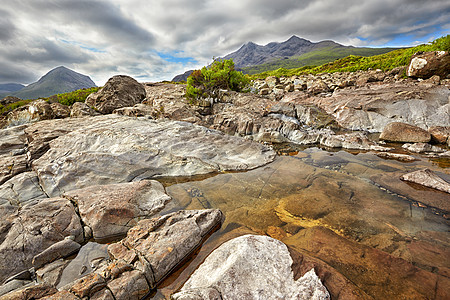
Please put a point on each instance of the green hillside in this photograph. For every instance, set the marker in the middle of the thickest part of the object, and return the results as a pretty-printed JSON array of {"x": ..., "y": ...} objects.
[
  {"x": 352, "y": 63},
  {"x": 315, "y": 58}
]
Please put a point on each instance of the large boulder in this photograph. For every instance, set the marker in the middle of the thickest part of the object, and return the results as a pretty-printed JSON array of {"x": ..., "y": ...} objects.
[
  {"x": 111, "y": 210},
  {"x": 120, "y": 91},
  {"x": 35, "y": 111},
  {"x": 251, "y": 267},
  {"x": 402, "y": 132},
  {"x": 60, "y": 111},
  {"x": 425, "y": 65},
  {"x": 141, "y": 149}
]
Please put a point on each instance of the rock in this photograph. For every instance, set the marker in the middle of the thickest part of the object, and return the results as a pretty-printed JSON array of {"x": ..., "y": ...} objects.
[
  {"x": 104, "y": 294},
  {"x": 439, "y": 134},
  {"x": 120, "y": 91},
  {"x": 80, "y": 109},
  {"x": 422, "y": 147},
  {"x": 31, "y": 292},
  {"x": 162, "y": 243},
  {"x": 35, "y": 111},
  {"x": 425, "y": 65},
  {"x": 272, "y": 81},
  {"x": 141, "y": 149},
  {"x": 12, "y": 140},
  {"x": 355, "y": 140},
  {"x": 139, "y": 110},
  {"x": 402, "y": 132},
  {"x": 12, "y": 285},
  {"x": 10, "y": 166},
  {"x": 427, "y": 178},
  {"x": 9, "y": 100},
  {"x": 20, "y": 189},
  {"x": 61, "y": 295},
  {"x": 251, "y": 267},
  {"x": 265, "y": 91},
  {"x": 110, "y": 210},
  {"x": 317, "y": 87},
  {"x": 88, "y": 285},
  {"x": 38, "y": 225},
  {"x": 58, "y": 250},
  {"x": 60, "y": 111},
  {"x": 397, "y": 156},
  {"x": 51, "y": 273},
  {"x": 129, "y": 286}
]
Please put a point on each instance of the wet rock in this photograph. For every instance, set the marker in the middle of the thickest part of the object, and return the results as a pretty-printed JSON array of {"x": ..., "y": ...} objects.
[
  {"x": 58, "y": 250},
  {"x": 80, "y": 109},
  {"x": 421, "y": 147},
  {"x": 31, "y": 292},
  {"x": 110, "y": 210},
  {"x": 60, "y": 111},
  {"x": 439, "y": 134},
  {"x": 142, "y": 149},
  {"x": 32, "y": 112},
  {"x": 427, "y": 178},
  {"x": 162, "y": 243},
  {"x": 397, "y": 156},
  {"x": 425, "y": 65},
  {"x": 402, "y": 132},
  {"x": 38, "y": 225},
  {"x": 120, "y": 91},
  {"x": 251, "y": 267}
]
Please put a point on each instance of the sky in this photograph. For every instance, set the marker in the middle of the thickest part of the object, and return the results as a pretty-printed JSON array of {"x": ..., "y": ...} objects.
[{"x": 154, "y": 40}]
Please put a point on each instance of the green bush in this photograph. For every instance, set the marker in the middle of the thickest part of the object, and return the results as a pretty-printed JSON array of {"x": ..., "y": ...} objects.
[
  {"x": 75, "y": 96},
  {"x": 207, "y": 82}
]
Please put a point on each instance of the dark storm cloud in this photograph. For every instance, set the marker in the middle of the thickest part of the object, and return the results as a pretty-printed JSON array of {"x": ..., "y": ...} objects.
[
  {"x": 12, "y": 73},
  {"x": 7, "y": 28}
]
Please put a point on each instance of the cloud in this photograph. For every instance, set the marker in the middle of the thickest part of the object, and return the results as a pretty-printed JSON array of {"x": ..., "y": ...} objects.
[{"x": 155, "y": 40}]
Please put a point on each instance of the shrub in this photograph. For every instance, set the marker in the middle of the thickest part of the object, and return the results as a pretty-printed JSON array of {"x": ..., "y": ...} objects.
[
  {"x": 207, "y": 82},
  {"x": 75, "y": 96}
]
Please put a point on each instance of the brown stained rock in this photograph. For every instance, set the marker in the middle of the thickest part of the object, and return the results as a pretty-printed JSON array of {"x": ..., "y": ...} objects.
[
  {"x": 88, "y": 285},
  {"x": 402, "y": 132},
  {"x": 35, "y": 111},
  {"x": 317, "y": 87},
  {"x": 116, "y": 268},
  {"x": 129, "y": 286},
  {"x": 377, "y": 273},
  {"x": 120, "y": 91},
  {"x": 110, "y": 210},
  {"x": 80, "y": 109},
  {"x": 425, "y": 65},
  {"x": 162, "y": 243},
  {"x": 119, "y": 251},
  {"x": 38, "y": 225},
  {"x": 60, "y": 111},
  {"x": 60, "y": 249},
  {"x": 61, "y": 295},
  {"x": 31, "y": 292},
  {"x": 439, "y": 134},
  {"x": 104, "y": 294},
  {"x": 427, "y": 178}
]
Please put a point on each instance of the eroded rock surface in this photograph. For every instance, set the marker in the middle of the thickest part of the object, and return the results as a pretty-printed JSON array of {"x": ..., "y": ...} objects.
[
  {"x": 428, "y": 178},
  {"x": 110, "y": 210},
  {"x": 251, "y": 267},
  {"x": 140, "y": 149},
  {"x": 402, "y": 132}
]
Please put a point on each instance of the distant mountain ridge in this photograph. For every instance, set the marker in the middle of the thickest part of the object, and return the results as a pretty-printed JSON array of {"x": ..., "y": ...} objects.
[
  {"x": 10, "y": 87},
  {"x": 295, "y": 52},
  {"x": 57, "y": 81}
]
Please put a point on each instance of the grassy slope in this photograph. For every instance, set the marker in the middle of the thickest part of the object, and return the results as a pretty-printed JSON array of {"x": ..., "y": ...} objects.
[
  {"x": 315, "y": 58},
  {"x": 352, "y": 63}
]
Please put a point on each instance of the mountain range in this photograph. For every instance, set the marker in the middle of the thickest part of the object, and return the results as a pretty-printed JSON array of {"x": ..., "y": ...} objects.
[
  {"x": 57, "y": 81},
  {"x": 295, "y": 52}
]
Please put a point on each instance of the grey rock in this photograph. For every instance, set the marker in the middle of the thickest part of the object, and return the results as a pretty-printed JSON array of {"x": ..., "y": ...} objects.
[
  {"x": 317, "y": 87},
  {"x": 12, "y": 285},
  {"x": 120, "y": 91},
  {"x": 422, "y": 147},
  {"x": 51, "y": 273},
  {"x": 58, "y": 250},
  {"x": 110, "y": 210},
  {"x": 11, "y": 166},
  {"x": 427, "y": 178},
  {"x": 141, "y": 149},
  {"x": 139, "y": 110},
  {"x": 251, "y": 267},
  {"x": 60, "y": 111},
  {"x": 160, "y": 244},
  {"x": 37, "y": 226},
  {"x": 12, "y": 139},
  {"x": 20, "y": 189},
  {"x": 31, "y": 291},
  {"x": 32, "y": 112},
  {"x": 80, "y": 109}
]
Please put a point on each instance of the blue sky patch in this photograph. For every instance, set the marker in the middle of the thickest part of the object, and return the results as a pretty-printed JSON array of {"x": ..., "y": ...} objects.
[{"x": 176, "y": 57}]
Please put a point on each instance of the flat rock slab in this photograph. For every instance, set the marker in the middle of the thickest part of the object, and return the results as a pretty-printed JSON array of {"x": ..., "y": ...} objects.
[
  {"x": 251, "y": 267},
  {"x": 116, "y": 149},
  {"x": 110, "y": 210},
  {"x": 38, "y": 225},
  {"x": 427, "y": 178},
  {"x": 156, "y": 246}
]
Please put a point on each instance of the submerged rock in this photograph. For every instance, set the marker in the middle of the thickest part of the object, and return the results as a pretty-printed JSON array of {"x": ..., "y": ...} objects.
[
  {"x": 251, "y": 267},
  {"x": 427, "y": 178}
]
